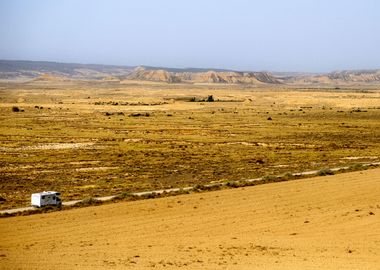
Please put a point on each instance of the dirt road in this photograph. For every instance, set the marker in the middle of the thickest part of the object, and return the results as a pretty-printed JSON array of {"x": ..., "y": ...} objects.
[
  {"x": 330, "y": 222},
  {"x": 108, "y": 198}
]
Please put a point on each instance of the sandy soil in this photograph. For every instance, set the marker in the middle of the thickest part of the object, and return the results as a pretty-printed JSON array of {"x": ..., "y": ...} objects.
[
  {"x": 330, "y": 222},
  {"x": 252, "y": 132}
]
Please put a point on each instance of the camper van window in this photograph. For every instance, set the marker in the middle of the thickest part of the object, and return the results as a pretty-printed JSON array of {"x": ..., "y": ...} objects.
[{"x": 43, "y": 197}]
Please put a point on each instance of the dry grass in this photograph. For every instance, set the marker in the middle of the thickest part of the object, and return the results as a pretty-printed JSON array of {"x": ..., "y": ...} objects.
[{"x": 90, "y": 139}]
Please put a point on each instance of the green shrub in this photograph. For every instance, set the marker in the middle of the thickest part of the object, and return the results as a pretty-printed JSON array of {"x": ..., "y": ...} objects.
[
  {"x": 356, "y": 166},
  {"x": 324, "y": 172},
  {"x": 269, "y": 178},
  {"x": 288, "y": 176},
  {"x": 88, "y": 201},
  {"x": 234, "y": 184}
]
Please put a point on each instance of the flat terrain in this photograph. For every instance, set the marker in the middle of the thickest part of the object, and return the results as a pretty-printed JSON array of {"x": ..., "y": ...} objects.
[
  {"x": 92, "y": 139},
  {"x": 330, "y": 222}
]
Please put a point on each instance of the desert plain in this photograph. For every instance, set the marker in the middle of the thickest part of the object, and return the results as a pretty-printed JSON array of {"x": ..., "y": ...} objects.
[
  {"x": 89, "y": 139},
  {"x": 99, "y": 138}
]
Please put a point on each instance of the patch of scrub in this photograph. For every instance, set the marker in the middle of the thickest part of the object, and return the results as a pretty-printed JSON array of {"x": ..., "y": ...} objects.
[
  {"x": 133, "y": 140},
  {"x": 49, "y": 146},
  {"x": 90, "y": 169},
  {"x": 271, "y": 145},
  {"x": 280, "y": 166},
  {"x": 84, "y": 162},
  {"x": 364, "y": 157},
  {"x": 87, "y": 187}
]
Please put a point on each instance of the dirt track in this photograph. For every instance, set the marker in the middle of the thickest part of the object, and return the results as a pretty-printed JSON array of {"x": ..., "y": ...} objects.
[{"x": 330, "y": 222}]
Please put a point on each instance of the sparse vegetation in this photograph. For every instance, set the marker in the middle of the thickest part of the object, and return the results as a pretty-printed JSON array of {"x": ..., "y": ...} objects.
[
  {"x": 269, "y": 178},
  {"x": 15, "y": 109},
  {"x": 139, "y": 114},
  {"x": 356, "y": 167},
  {"x": 324, "y": 172},
  {"x": 88, "y": 202},
  {"x": 210, "y": 98},
  {"x": 181, "y": 143},
  {"x": 126, "y": 196}
]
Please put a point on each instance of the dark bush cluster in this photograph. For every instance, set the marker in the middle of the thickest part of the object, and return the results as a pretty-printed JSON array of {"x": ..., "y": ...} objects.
[
  {"x": 88, "y": 202},
  {"x": 16, "y": 109},
  {"x": 139, "y": 115},
  {"x": 324, "y": 172},
  {"x": 210, "y": 98},
  {"x": 113, "y": 113}
]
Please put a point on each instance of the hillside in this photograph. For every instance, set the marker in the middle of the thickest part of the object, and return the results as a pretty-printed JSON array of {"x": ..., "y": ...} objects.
[
  {"x": 33, "y": 69},
  {"x": 337, "y": 78},
  {"x": 329, "y": 222},
  {"x": 153, "y": 75},
  {"x": 238, "y": 77},
  {"x": 12, "y": 70},
  {"x": 47, "y": 77},
  {"x": 226, "y": 77}
]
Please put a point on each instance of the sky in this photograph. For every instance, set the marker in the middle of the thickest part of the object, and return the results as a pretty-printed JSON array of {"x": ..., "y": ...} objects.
[{"x": 255, "y": 35}]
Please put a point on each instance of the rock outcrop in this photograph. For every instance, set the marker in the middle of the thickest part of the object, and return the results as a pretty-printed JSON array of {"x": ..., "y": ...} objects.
[
  {"x": 203, "y": 77},
  {"x": 153, "y": 75}
]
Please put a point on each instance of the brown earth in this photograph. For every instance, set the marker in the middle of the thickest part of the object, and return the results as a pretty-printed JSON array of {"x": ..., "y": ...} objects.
[
  {"x": 332, "y": 79},
  {"x": 23, "y": 71},
  {"x": 152, "y": 75},
  {"x": 330, "y": 222},
  {"x": 254, "y": 78},
  {"x": 45, "y": 77},
  {"x": 152, "y": 136}
]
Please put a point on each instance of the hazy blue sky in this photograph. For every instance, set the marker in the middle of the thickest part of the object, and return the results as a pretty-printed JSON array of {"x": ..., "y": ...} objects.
[{"x": 279, "y": 35}]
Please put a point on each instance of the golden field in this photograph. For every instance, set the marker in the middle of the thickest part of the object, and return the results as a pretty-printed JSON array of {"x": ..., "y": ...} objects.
[
  {"x": 91, "y": 139},
  {"x": 329, "y": 222}
]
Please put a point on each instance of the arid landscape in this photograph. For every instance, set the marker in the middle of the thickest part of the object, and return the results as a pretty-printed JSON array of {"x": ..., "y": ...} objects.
[
  {"x": 190, "y": 134},
  {"x": 95, "y": 137},
  {"x": 325, "y": 222},
  {"x": 92, "y": 138}
]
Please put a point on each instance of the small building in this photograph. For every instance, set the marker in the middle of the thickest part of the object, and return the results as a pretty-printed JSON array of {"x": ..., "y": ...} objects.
[{"x": 46, "y": 198}]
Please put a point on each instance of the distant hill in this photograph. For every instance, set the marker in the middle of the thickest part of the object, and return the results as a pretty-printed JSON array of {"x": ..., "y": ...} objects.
[
  {"x": 211, "y": 76},
  {"x": 33, "y": 69},
  {"x": 158, "y": 75},
  {"x": 337, "y": 78},
  {"x": 47, "y": 77},
  {"x": 54, "y": 71}
]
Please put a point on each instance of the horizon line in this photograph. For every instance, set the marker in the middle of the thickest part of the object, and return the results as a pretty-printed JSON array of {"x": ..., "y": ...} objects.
[{"x": 184, "y": 68}]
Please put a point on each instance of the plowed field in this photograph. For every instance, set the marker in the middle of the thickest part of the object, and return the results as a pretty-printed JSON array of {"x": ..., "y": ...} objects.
[{"x": 330, "y": 222}]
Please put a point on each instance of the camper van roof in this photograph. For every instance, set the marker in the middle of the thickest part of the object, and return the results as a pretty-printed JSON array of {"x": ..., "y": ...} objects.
[{"x": 48, "y": 193}]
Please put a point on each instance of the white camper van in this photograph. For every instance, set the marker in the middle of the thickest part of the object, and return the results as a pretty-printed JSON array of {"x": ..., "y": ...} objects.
[{"x": 46, "y": 198}]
